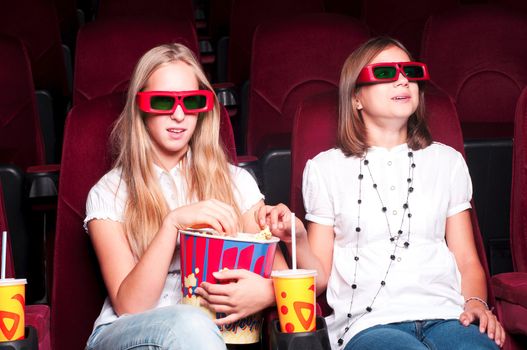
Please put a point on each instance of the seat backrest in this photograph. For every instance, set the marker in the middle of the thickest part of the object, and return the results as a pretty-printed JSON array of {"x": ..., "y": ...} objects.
[
  {"x": 173, "y": 9},
  {"x": 107, "y": 51},
  {"x": 294, "y": 58},
  {"x": 473, "y": 54},
  {"x": 246, "y": 16},
  {"x": 518, "y": 230},
  {"x": 21, "y": 141},
  {"x": 403, "y": 21},
  {"x": 36, "y": 24},
  {"x": 315, "y": 129},
  {"x": 78, "y": 290},
  {"x": 9, "y": 268}
]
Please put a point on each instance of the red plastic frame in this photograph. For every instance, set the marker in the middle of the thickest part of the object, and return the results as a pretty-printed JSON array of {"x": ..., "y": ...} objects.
[
  {"x": 143, "y": 101},
  {"x": 366, "y": 75}
]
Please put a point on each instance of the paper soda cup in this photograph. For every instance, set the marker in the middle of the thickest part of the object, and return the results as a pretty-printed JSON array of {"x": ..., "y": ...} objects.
[
  {"x": 12, "y": 309},
  {"x": 203, "y": 253},
  {"x": 295, "y": 299}
]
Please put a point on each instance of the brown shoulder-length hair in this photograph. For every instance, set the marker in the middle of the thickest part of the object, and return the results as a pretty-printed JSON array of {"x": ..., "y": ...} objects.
[{"x": 351, "y": 134}]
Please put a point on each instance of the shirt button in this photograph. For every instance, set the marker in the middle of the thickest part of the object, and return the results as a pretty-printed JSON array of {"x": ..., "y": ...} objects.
[
  {"x": 389, "y": 162},
  {"x": 392, "y": 188},
  {"x": 394, "y": 212}
]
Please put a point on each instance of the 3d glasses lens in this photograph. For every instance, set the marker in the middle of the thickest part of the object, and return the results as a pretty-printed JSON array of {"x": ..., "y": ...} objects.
[
  {"x": 413, "y": 71},
  {"x": 162, "y": 103},
  {"x": 384, "y": 72},
  {"x": 194, "y": 102}
]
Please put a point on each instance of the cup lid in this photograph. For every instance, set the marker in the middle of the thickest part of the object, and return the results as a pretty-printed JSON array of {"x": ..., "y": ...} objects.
[
  {"x": 298, "y": 273},
  {"x": 12, "y": 281}
]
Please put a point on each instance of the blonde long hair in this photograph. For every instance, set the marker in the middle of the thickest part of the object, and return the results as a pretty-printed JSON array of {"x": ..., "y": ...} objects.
[
  {"x": 207, "y": 172},
  {"x": 351, "y": 134}
]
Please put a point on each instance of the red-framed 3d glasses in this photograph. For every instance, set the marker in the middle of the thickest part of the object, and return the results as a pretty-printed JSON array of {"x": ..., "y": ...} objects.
[
  {"x": 389, "y": 71},
  {"x": 166, "y": 102}
]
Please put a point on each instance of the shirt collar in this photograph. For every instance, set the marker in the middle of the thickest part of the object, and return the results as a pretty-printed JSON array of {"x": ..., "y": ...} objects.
[
  {"x": 175, "y": 170},
  {"x": 394, "y": 150}
]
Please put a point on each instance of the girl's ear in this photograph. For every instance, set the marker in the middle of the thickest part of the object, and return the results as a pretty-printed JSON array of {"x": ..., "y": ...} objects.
[{"x": 356, "y": 102}]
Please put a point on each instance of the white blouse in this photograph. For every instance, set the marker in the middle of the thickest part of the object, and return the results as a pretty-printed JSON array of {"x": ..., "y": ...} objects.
[
  {"x": 423, "y": 281},
  {"x": 107, "y": 200}
]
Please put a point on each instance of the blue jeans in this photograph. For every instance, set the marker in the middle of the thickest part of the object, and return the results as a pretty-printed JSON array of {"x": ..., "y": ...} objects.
[
  {"x": 422, "y": 335},
  {"x": 178, "y": 327}
]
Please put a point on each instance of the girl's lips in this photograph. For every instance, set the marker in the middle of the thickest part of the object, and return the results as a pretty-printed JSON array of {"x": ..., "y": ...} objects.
[
  {"x": 176, "y": 133},
  {"x": 175, "y": 130},
  {"x": 401, "y": 98}
]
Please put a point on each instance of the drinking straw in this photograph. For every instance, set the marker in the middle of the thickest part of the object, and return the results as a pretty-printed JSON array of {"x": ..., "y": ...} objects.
[
  {"x": 4, "y": 243},
  {"x": 293, "y": 240}
]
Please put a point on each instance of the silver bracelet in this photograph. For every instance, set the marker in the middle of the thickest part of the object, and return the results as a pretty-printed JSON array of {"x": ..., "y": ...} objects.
[{"x": 478, "y": 299}]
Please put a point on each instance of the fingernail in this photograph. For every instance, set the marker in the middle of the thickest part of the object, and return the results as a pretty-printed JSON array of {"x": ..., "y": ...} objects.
[
  {"x": 274, "y": 226},
  {"x": 215, "y": 273}
]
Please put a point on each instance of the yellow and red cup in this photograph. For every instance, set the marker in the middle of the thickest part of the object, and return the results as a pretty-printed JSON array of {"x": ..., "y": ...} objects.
[
  {"x": 12, "y": 309},
  {"x": 203, "y": 253},
  {"x": 295, "y": 294}
]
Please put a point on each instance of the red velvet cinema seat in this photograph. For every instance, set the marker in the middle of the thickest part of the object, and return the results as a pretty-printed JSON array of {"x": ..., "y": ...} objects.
[
  {"x": 78, "y": 290},
  {"x": 245, "y": 17},
  {"x": 474, "y": 54},
  {"x": 292, "y": 58},
  {"x": 404, "y": 21},
  {"x": 108, "y": 50},
  {"x": 21, "y": 140},
  {"x": 511, "y": 288},
  {"x": 173, "y": 9},
  {"x": 37, "y": 25},
  {"x": 314, "y": 131}
]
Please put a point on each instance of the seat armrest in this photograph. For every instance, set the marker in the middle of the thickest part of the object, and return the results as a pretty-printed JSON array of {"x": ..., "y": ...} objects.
[
  {"x": 42, "y": 180},
  {"x": 511, "y": 287},
  {"x": 206, "y": 51},
  {"x": 227, "y": 96}
]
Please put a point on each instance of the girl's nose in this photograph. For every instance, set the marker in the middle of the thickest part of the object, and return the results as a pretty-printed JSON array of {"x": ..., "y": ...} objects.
[
  {"x": 401, "y": 80},
  {"x": 178, "y": 114}
]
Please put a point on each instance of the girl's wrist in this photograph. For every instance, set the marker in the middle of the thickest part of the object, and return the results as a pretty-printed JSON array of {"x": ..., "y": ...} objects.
[{"x": 476, "y": 301}]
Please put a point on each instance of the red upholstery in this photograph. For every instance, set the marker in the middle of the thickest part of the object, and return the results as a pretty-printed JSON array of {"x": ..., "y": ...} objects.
[
  {"x": 519, "y": 187},
  {"x": 246, "y": 16},
  {"x": 511, "y": 288},
  {"x": 314, "y": 131},
  {"x": 404, "y": 20},
  {"x": 174, "y": 9},
  {"x": 36, "y": 24},
  {"x": 475, "y": 56},
  {"x": 21, "y": 141},
  {"x": 78, "y": 290},
  {"x": 294, "y": 58},
  {"x": 108, "y": 50}
]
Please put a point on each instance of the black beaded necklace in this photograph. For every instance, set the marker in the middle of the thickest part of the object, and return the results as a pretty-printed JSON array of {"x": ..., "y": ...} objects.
[{"x": 395, "y": 238}]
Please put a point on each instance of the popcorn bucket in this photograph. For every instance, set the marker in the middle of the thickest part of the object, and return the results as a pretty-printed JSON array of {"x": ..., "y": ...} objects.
[{"x": 203, "y": 253}]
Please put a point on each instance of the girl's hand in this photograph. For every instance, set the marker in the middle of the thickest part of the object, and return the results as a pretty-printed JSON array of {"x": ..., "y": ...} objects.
[
  {"x": 475, "y": 311},
  {"x": 278, "y": 219},
  {"x": 238, "y": 294},
  {"x": 214, "y": 213}
]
